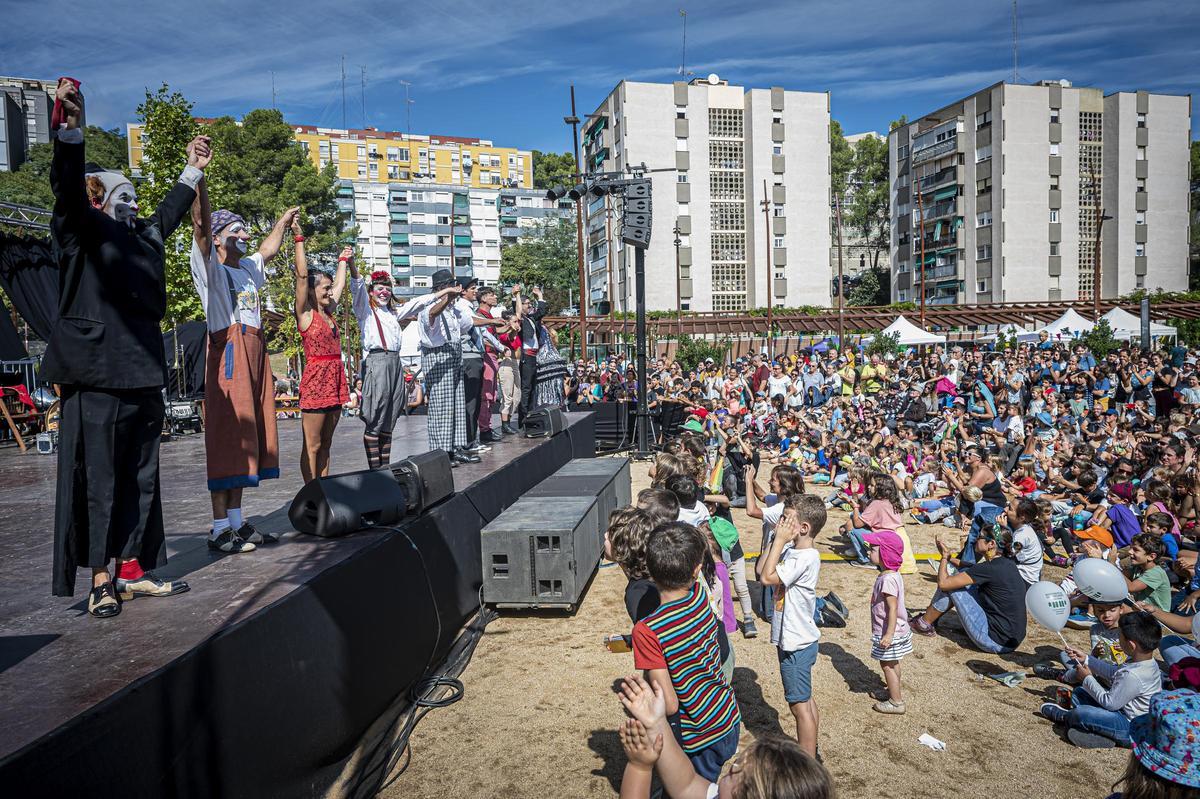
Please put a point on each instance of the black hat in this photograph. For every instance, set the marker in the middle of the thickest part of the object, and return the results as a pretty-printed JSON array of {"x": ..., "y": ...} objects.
[
  {"x": 442, "y": 278},
  {"x": 466, "y": 282}
]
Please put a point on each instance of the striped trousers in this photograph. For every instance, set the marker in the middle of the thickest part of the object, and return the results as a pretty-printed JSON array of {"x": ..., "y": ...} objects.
[{"x": 447, "y": 421}]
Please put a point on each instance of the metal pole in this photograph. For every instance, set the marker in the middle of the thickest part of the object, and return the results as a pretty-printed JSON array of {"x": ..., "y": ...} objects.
[
  {"x": 1096, "y": 276},
  {"x": 766, "y": 206},
  {"x": 837, "y": 204},
  {"x": 921, "y": 265},
  {"x": 639, "y": 271},
  {"x": 585, "y": 293},
  {"x": 678, "y": 291},
  {"x": 608, "y": 247}
]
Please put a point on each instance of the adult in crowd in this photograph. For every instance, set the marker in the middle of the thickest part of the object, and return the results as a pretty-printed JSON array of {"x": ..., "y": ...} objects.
[
  {"x": 106, "y": 355},
  {"x": 240, "y": 437},
  {"x": 531, "y": 313}
]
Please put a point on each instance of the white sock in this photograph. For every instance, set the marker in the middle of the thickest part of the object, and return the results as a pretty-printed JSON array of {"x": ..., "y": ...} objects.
[
  {"x": 235, "y": 518},
  {"x": 219, "y": 526}
]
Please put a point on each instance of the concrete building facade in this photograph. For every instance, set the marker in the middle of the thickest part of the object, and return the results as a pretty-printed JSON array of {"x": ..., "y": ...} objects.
[
  {"x": 25, "y": 106},
  {"x": 414, "y": 229},
  {"x": 727, "y": 150},
  {"x": 1012, "y": 181}
]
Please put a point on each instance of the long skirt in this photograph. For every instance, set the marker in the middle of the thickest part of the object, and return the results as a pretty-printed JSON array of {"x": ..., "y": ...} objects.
[
  {"x": 447, "y": 420},
  {"x": 108, "y": 503},
  {"x": 384, "y": 394},
  {"x": 487, "y": 394},
  {"x": 240, "y": 436}
]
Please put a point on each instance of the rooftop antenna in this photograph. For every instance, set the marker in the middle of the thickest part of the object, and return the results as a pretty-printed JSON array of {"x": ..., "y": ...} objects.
[
  {"x": 683, "y": 54},
  {"x": 343, "y": 92},
  {"x": 364, "y": 95},
  {"x": 1016, "y": 75},
  {"x": 408, "y": 101}
]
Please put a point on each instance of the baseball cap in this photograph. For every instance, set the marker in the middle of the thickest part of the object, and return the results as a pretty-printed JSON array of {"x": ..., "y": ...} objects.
[{"x": 891, "y": 548}]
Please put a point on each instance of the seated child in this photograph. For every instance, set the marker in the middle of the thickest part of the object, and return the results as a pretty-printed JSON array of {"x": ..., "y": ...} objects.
[
  {"x": 1100, "y": 717},
  {"x": 1105, "y": 654},
  {"x": 677, "y": 648},
  {"x": 1145, "y": 578}
]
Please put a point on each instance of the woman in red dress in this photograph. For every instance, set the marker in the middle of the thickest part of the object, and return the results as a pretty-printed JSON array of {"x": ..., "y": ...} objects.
[{"x": 323, "y": 389}]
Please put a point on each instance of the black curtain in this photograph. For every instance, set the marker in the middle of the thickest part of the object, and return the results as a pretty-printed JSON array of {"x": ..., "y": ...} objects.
[
  {"x": 184, "y": 348},
  {"x": 12, "y": 348},
  {"x": 29, "y": 274}
]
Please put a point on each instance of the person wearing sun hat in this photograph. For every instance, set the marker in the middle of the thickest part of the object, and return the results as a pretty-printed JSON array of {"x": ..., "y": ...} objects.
[{"x": 1165, "y": 761}]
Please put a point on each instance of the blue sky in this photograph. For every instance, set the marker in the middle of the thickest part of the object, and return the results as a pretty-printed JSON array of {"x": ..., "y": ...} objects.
[{"x": 502, "y": 70}]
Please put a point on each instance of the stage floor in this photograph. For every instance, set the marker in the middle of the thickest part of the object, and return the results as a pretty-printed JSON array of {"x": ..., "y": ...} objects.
[{"x": 56, "y": 661}]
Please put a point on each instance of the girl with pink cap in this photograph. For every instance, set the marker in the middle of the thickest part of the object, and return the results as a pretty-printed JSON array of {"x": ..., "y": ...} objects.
[{"x": 891, "y": 638}]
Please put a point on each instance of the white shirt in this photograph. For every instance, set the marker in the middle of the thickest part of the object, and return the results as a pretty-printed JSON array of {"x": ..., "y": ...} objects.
[
  {"x": 1132, "y": 686},
  {"x": 695, "y": 516},
  {"x": 228, "y": 294},
  {"x": 792, "y": 624},
  {"x": 778, "y": 385},
  {"x": 1029, "y": 558},
  {"x": 448, "y": 327},
  {"x": 389, "y": 319}
]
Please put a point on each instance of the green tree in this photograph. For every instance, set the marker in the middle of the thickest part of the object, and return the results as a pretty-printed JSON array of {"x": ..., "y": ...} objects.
[
  {"x": 883, "y": 344},
  {"x": 553, "y": 169},
  {"x": 869, "y": 214},
  {"x": 872, "y": 288},
  {"x": 545, "y": 256},
  {"x": 30, "y": 183},
  {"x": 692, "y": 351},
  {"x": 841, "y": 161},
  {"x": 167, "y": 128},
  {"x": 1100, "y": 340}
]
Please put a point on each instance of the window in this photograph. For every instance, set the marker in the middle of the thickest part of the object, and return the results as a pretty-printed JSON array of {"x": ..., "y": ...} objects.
[
  {"x": 417, "y": 218},
  {"x": 443, "y": 260},
  {"x": 777, "y": 210},
  {"x": 417, "y": 196},
  {"x": 981, "y": 287},
  {"x": 680, "y": 114},
  {"x": 902, "y": 181},
  {"x": 1054, "y": 182},
  {"x": 983, "y": 153},
  {"x": 778, "y": 120},
  {"x": 1053, "y": 115},
  {"x": 443, "y": 219},
  {"x": 983, "y": 186},
  {"x": 685, "y": 240},
  {"x": 362, "y": 151},
  {"x": 681, "y": 177},
  {"x": 1141, "y": 217},
  {"x": 682, "y": 209},
  {"x": 1139, "y": 250},
  {"x": 983, "y": 252},
  {"x": 681, "y": 145},
  {"x": 421, "y": 281},
  {"x": 902, "y": 296},
  {"x": 777, "y": 149},
  {"x": 1141, "y": 120},
  {"x": 1141, "y": 184},
  {"x": 1053, "y": 149},
  {"x": 1053, "y": 214},
  {"x": 983, "y": 120},
  {"x": 1141, "y": 153},
  {"x": 1054, "y": 248},
  {"x": 779, "y": 241},
  {"x": 983, "y": 219},
  {"x": 362, "y": 170}
]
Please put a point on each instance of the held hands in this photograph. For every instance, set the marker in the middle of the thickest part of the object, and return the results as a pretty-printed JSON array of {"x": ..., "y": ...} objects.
[
  {"x": 347, "y": 255},
  {"x": 295, "y": 225},
  {"x": 289, "y": 216},
  {"x": 71, "y": 100},
  {"x": 537, "y": 292},
  {"x": 199, "y": 152},
  {"x": 641, "y": 746},
  {"x": 644, "y": 702}
]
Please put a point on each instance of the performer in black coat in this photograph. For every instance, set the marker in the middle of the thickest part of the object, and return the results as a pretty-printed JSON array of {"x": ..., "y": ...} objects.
[
  {"x": 106, "y": 355},
  {"x": 531, "y": 311}
]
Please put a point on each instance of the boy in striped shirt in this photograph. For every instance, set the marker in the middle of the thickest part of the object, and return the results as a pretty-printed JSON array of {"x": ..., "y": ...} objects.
[{"x": 676, "y": 646}]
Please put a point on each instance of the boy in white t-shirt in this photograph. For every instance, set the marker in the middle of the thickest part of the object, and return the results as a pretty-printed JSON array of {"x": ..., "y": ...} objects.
[
  {"x": 1027, "y": 545},
  {"x": 793, "y": 565}
]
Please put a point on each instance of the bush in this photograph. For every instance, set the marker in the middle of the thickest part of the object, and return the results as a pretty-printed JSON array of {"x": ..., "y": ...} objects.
[
  {"x": 883, "y": 344},
  {"x": 1099, "y": 340},
  {"x": 693, "y": 351}
]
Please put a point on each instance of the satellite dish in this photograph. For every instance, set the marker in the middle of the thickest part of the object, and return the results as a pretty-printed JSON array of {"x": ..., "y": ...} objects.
[{"x": 713, "y": 79}]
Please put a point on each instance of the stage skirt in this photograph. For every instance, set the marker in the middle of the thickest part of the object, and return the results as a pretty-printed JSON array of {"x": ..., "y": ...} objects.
[
  {"x": 447, "y": 421},
  {"x": 384, "y": 394},
  {"x": 240, "y": 436}
]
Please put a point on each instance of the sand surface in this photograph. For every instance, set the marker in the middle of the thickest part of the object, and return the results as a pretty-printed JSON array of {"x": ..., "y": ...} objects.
[{"x": 539, "y": 715}]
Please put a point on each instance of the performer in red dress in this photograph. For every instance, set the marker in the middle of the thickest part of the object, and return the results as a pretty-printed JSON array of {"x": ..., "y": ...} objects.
[{"x": 323, "y": 389}]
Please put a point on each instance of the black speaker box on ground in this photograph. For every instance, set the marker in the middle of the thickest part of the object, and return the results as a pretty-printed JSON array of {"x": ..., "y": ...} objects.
[
  {"x": 427, "y": 479},
  {"x": 544, "y": 422},
  {"x": 340, "y": 504}
]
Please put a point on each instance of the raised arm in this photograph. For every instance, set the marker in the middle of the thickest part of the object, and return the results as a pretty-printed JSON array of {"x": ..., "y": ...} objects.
[
  {"x": 345, "y": 260},
  {"x": 71, "y": 206},
  {"x": 274, "y": 240},
  {"x": 300, "y": 309},
  {"x": 169, "y": 214},
  {"x": 202, "y": 219}
]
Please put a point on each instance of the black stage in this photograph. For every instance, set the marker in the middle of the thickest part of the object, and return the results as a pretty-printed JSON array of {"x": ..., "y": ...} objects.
[{"x": 262, "y": 678}]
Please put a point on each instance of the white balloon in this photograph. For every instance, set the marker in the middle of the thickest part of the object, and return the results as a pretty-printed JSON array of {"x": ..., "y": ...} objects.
[
  {"x": 1049, "y": 604},
  {"x": 1099, "y": 580}
]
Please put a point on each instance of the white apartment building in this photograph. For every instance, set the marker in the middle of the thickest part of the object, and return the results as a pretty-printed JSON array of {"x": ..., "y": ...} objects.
[
  {"x": 729, "y": 149},
  {"x": 1012, "y": 182}
]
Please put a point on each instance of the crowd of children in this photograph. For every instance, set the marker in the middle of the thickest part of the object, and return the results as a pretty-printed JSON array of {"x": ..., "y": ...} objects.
[{"x": 1039, "y": 457}]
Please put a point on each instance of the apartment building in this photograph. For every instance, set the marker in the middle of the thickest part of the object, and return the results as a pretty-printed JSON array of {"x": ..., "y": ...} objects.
[
  {"x": 730, "y": 152},
  {"x": 1014, "y": 183},
  {"x": 857, "y": 252},
  {"x": 377, "y": 156},
  {"x": 25, "y": 105},
  {"x": 414, "y": 229}
]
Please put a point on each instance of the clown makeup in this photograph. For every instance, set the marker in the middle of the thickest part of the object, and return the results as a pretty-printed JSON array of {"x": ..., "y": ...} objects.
[
  {"x": 382, "y": 293},
  {"x": 122, "y": 205},
  {"x": 236, "y": 237}
]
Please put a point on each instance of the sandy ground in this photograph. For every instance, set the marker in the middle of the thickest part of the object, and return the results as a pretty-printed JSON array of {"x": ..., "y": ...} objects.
[{"x": 539, "y": 715}]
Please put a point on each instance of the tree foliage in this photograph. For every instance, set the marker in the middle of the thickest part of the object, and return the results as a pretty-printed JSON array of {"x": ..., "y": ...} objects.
[
  {"x": 841, "y": 162},
  {"x": 872, "y": 288},
  {"x": 868, "y": 214},
  {"x": 1100, "y": 340},
  {"x": 553, "y": 169},
  {"x": 545, "y": 256},
  {"x": 30, "y": 183},
  {"x": 692, "y": 351},
  {"x": 883, "y": 344}
]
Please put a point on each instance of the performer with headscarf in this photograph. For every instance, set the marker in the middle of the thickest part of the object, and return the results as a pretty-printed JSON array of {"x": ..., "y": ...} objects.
[
  {"x": 106, "y": 354},
  {"x": 384, "y": 391},
  {"x": 240, "y": 436},
  {"x": 532, "y": 309}
]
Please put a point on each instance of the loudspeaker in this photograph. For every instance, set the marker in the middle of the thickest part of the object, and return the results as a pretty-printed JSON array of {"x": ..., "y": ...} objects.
[
  {"x": 333, "y": 506},
  {"x": 427, "y": 479},
  {"x": 544, "y": 422}
]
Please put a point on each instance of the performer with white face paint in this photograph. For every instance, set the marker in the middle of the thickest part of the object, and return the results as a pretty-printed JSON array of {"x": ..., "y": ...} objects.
[
  {"x": 106, "y": 354},
  {"x": 240, "y": 435}
]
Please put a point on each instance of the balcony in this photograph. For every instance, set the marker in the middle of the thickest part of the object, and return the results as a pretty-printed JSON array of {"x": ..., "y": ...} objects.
[
  {"x": 937, "y": 211},
  {"x": 400, "y": 239},
  {"x": 510, "y": 232},
  {"x": 940, "y": 141},
  {"x": 462, "y": 241},
  {"x": 947, "y": 175}
]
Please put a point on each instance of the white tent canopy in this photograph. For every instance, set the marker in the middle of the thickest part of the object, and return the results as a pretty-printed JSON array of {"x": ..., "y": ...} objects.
[
  {"x": 1012, "y": 330},
  {"x": 1072, "y": 322},
  {"x": 1126, "y": 325},
  {"x": 910, "y": 334}
]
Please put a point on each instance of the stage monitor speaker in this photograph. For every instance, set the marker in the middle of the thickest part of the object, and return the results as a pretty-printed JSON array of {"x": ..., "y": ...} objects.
[
  {"x": 427, "y": 479},
  {"x": 544, "y": 422},
  {"x": 333, "y": 506}
]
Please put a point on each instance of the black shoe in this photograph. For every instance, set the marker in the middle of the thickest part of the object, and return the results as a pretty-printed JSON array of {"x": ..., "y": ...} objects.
[
  {"x": 508, "y": 429},
  {"x": 230, "y": 543},
  {"x": 102, "y": 601},
  {"x": 490, "y": 437},
  {"x": 248, "y": 532},
  {"x": 462, "y": 456}
]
